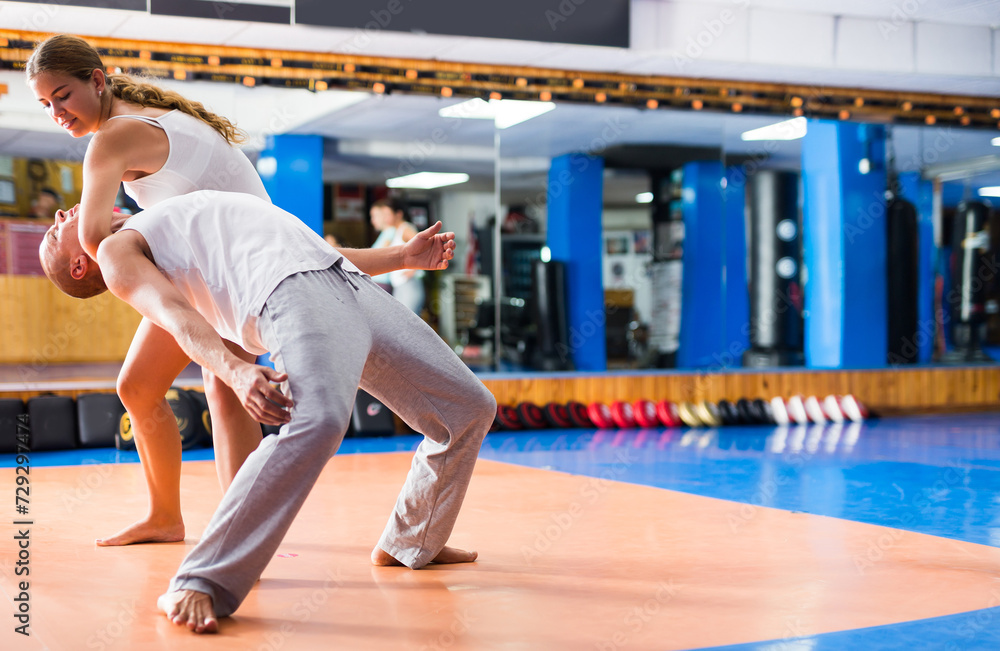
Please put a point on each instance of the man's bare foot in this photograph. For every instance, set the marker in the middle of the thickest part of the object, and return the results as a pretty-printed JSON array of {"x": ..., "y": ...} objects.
[
  {"x": 453, "y": 555},
  {"x": 145, "y": 531},
  {"x": 190, "y": 608},
  {"x": 445, "y": 556}
]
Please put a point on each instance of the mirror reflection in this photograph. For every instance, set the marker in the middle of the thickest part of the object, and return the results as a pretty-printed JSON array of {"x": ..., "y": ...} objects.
[
  {"x": 710, "y": 227},
  {"x": 597, "y": 237}
]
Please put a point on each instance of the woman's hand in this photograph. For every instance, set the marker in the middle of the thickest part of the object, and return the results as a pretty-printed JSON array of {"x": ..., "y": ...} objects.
[{"x": 429, "y": 249}]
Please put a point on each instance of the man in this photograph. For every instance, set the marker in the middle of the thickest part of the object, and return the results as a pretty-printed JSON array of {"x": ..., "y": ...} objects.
[{"x": 212, "y": 263}]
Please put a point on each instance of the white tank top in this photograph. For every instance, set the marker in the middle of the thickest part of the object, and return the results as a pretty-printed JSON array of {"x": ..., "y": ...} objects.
[
  {"x": 199, "y": 159},
  {"x": 227, "y": 251}
]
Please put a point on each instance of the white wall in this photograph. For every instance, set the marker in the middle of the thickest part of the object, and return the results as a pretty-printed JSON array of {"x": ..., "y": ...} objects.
[
  {"x": 906, "y": 44},
  {"x": 623, "y": 223}
]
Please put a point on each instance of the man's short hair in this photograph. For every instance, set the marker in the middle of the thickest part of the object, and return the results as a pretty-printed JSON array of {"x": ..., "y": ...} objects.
[{"x": 56, "y": 268}]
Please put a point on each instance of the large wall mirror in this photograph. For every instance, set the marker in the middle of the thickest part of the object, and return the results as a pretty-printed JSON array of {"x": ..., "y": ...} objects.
[
  {"x": 738, "y": 255},
  {"x": 742, "y": 256}
]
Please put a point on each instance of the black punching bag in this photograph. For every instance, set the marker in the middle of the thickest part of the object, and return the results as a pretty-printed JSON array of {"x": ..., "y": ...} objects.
[
  {"x": 775, "y": 242},
  {"x": 549, "y": 312},
  {"x": 903, "y": 272},
  {"x": 969, "y": 271}
]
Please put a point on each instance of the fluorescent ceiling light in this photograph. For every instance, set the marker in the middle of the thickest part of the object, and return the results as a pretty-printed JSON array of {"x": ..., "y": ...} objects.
[
  {"x": 515, "y": 111},
  {"x": 426, "y": 180},
  {"x": 787, "y": 130},
  {"x": 504, "y": 112},
  {"x": 644, "y": 197},
  {"x": 995, "y": 142},
  {"x": 990, "y": 191},
  {"x": 474, "y": 109}
]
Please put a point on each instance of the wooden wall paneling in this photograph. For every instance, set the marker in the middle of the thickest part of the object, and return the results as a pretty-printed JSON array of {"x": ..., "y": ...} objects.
[
  {"x": 41, "y": 326},
  {"x": 915, "y": 390},
  {"x": 889, "y": 392}
]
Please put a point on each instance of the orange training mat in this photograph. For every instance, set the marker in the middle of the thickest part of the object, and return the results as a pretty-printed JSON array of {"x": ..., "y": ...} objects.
[{"x": 566, "y": 562}]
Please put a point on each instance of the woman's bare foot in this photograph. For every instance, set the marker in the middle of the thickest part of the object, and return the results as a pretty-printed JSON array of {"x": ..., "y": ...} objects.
[
  {"x": 146, "y": 531},
  {"x": 445, "y": 556},
  {"x": 190, "y": 608}
]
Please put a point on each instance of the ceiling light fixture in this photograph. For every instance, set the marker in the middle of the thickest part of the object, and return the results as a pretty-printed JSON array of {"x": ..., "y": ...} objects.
[
  {"x": 426, "y": 180},
  {"x": 505, "y": 112},
  {"x": 786, "y": 130}
]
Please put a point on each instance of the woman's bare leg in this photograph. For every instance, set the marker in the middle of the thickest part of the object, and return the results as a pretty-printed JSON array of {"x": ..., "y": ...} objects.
[
  {"x": 153, "y": 362},
  {"x": 235, "y": 434}
]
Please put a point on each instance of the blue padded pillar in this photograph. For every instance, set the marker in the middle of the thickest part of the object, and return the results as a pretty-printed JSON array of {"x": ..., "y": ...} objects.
[
  {"x": 920, "y": 193},
  {"x": 575, "y": 234},
  {"x": 737, "y": 307},
  {"x": 844, "y": 237},
  {"x": 292, "y": 170},
  {"x": 703, "y": 339}
]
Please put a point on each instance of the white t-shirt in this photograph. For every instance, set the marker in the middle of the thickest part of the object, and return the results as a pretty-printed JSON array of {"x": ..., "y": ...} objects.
[{"x": 227, "y": 251}]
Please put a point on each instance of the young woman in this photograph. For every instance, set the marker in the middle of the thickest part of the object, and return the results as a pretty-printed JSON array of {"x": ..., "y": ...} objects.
[
  {"x": 407, "y": 285},
  {"x": 161, "y": 145}
]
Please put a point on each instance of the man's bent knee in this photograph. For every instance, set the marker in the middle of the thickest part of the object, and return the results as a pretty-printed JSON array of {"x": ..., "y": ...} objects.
[
  {"x": 485, "y": 405},
  {"x": 325, "y": 430}
]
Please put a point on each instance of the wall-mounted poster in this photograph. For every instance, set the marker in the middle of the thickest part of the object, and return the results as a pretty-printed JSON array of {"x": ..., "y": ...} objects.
[
  {"x": 616, "y": 245},
  {"x": 349, "y": 202},
  {"x": 642, "y": 241}
]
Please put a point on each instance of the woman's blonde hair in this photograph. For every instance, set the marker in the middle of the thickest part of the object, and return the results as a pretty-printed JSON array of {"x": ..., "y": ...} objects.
[{"x": 73, "y": 56}]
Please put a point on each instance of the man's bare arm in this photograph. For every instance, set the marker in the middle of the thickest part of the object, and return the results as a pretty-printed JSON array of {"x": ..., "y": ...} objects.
[
  {"x": 428, "y": 249},
  {"x": 132, "y": 277}
]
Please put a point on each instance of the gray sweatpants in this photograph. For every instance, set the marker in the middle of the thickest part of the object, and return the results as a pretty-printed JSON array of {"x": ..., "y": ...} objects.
[{"x": 331, "y": 331}]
